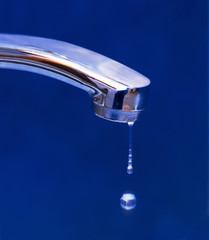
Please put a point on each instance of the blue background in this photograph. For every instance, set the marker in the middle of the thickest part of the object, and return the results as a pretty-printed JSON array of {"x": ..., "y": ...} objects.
[{"x": 62, "y": 169}]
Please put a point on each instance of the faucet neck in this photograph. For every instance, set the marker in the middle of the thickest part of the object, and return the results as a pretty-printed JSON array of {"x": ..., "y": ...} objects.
[{"x": 119, "y": 93}]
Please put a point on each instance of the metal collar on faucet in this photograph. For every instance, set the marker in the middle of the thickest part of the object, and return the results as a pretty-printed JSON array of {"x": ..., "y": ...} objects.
[{"x": 119, "y": 93}]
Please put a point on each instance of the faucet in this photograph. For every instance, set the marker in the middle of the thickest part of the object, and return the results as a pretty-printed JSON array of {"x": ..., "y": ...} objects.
[{"x": 118, "y": 92}]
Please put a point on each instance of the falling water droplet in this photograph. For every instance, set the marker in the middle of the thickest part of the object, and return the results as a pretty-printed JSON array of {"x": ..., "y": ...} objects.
[{"x": 128, "y": 201}]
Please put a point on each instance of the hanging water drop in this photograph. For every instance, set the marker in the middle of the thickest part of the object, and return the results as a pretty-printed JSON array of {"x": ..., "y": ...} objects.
[
  {"x": 130, "y": 165},
  {"x": 128, "y": 201},
  {"x": 130, "y": 169}
]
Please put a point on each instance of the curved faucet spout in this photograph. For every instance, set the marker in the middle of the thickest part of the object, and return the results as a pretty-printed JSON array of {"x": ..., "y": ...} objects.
[{"x": 118, "y": 92}]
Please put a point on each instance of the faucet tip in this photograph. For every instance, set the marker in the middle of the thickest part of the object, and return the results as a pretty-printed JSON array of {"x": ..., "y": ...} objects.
[{"x": 115, "y": 115}]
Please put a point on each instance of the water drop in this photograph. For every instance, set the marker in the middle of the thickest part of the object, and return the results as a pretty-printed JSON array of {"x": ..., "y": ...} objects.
[{"x": 128, "y": 201}]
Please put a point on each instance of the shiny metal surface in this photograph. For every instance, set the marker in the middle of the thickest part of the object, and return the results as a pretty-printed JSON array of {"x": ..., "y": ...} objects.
[{"x": 118, "y": 92}]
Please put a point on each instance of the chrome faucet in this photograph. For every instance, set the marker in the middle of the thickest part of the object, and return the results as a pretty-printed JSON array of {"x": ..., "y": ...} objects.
[{"x": 118, "y": 92}]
